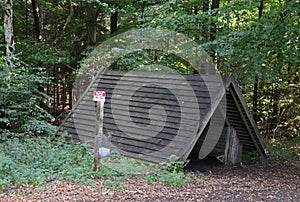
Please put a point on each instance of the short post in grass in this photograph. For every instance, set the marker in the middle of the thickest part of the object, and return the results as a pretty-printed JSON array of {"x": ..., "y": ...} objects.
[{"x": 99, "y": 98}]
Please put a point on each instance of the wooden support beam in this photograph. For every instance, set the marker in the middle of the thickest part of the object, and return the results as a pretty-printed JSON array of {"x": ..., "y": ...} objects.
[
  {"x": 234, "y": 152},
  {"x": 99, "y": 134}
]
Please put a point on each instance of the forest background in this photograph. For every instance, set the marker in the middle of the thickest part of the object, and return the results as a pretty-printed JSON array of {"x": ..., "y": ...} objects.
[{"x": 256, "y": 41}]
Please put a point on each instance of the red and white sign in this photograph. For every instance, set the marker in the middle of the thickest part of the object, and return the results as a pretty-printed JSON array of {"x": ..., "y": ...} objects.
[{"x": 99, "y": 96}]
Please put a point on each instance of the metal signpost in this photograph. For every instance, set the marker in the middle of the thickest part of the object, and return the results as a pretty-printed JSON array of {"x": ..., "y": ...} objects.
[{"x": 99, "y": 97}]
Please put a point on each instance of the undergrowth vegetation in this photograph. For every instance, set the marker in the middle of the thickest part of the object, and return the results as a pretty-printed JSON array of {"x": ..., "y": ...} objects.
[
  {"x": 172, "y": 173},
  {"x": 38, "y": 161},
  {"x": 23, "y": 104},
  {"x": 285, "y": 151}
]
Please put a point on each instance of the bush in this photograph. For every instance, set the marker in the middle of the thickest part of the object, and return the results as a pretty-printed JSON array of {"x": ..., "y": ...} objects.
[
  {"x": 171, "y": 173},
  {"x": 174, "y": 179},
  {"x": 174, "y": 165},
  {"x": 21, "y": 100}
]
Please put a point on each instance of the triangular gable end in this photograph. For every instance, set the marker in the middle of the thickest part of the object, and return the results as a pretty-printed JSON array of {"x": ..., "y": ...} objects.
[
  {"x": 235, "y": 96},
  {"x": 237, "y": 117}
]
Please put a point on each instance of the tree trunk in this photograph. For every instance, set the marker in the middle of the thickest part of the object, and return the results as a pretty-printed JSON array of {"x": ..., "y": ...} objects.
[
  {"x": 196, "y": 9},
  {"x": 260, "y": 9},
  {"x": 214, "y": 27},
  {"x": 114, "y": 22},
  {"x": 91, "y": 24},
  {"x": 255, "y": 100},
  {"x": 71, "y": 13},
  {"x": 37, "y": 11},
  {"x": 275, "y": 110},
  {"x": 26, "y": 18},
  {"x": 205, "y": 5},
  {"x": 205, "y": 8},
  {"x": 8, "y": 30},
  {"x": 256, "y": 82},
  {"x": 143, "y": 9}
]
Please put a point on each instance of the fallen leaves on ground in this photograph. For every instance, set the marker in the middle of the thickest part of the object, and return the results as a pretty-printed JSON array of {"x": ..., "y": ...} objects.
[{"x": 276, "y": 183}]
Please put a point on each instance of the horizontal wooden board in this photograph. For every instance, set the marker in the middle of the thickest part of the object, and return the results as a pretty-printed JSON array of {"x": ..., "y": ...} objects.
[
  {"x": 113, "y": 129},
  {"x": 185, "y": 89},
  {"x": 192, "y": 111},
  {"x": 172, "y": 117}
]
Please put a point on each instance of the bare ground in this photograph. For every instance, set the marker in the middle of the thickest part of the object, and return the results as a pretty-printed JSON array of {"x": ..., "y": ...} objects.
[{"x": 276, "y": 183}]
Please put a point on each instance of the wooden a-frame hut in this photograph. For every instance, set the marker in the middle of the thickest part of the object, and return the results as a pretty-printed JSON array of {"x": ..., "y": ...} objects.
[{"x": 152, "y": 115}]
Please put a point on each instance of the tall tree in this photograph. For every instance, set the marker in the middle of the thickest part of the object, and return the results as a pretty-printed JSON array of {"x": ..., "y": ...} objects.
[
  {"x": 255, "y": 88},
  {"x": 91, "y": 23},
  {"x": 205, "y": 28},
  {"x": 114, "y": 21},
  {"x": 8, "y": 29},
  {"x": 214, "y": 26},
  {"x": 37, "y": 12}
]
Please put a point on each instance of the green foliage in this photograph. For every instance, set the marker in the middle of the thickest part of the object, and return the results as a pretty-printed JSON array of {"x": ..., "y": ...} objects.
[
  {"x": 125, "y": 166},
  {"x": 39, "y": 161},
  {"x": 178, "y": 16},
  {"x": 266, "y": 49},
  {"x": 254, "y": 156},
  {"x": 153, "y": 60},
  {"x": 115, "y": 183},
  {"x": 251, "y": 158},
  {"x": 21, "y": 100},
  {"x": 250, "y": 46},
  {"x": 174, "y": 165},
  {"x": 284, "y": 150},
  {"x": 151, "y": 177},
  {"x": 2, "y": 6},
  {"x": 170, "y": 173},
  {"x": 174, "y": 179},
  {"x": 41, "y": 54}
]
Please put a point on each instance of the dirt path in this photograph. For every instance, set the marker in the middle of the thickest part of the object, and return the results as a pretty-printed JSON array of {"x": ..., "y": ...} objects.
[{"x": 277, "y": 183}]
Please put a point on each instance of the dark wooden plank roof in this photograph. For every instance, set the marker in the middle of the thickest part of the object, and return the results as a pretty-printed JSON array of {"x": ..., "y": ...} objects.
[{"x": 153, "y": 115}]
